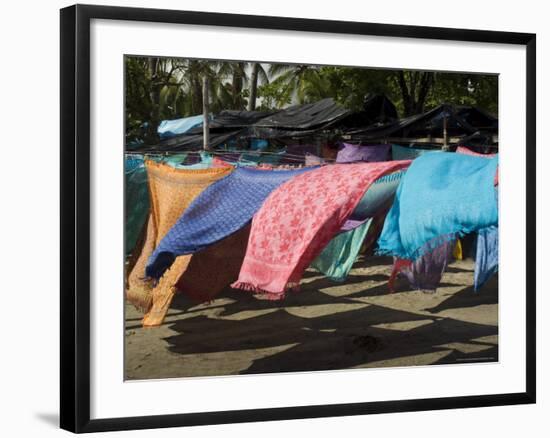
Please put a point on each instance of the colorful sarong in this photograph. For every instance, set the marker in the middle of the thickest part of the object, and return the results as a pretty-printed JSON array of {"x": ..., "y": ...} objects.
[
  {"x": 313, "y": 160},
  {"x": 441, "y": 197},
  {"x": 220, "y": 210},
  {"x": 171, "y": 191},
  {"x": 201, "y": 277},
  {"x": 136, "y": 205},
  {"x": 298, "y": 220},
  {"x": 407, "y": 152},
  {"x": 372, "y": 153},
  {"x": 204, "y": 163},
  {"x": 426, "y": 271},
  {"x": 338, "y": 257},
  {"x": 379, "y": 194},
  {"x": 466, "y": 151},
  {"x": 175, "y": 159},
  {"x": 486, "y": 256},
  {"x": 340, "y": 254}
]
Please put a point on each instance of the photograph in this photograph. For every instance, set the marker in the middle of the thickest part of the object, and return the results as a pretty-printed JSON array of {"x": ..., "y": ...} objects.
[{"x": 284, "y": 217}]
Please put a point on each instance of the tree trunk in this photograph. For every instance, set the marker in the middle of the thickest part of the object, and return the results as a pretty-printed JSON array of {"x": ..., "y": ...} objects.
[
  {"x": 415, "y": 90},
  {"x": 205, "y": 115},
  {"x": 237, "y": 86},
  {"x": 151, "y": 135},
  {"x": 253, "y": 87}
]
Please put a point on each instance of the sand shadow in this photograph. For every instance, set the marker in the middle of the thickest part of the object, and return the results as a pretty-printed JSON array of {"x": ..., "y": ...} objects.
[{"x": 468, "y": 297}]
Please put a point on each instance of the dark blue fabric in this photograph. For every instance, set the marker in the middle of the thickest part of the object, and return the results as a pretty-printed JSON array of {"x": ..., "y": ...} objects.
[
  {"x": 223, "y": 208},
  {"x": 486, "y": 256}
]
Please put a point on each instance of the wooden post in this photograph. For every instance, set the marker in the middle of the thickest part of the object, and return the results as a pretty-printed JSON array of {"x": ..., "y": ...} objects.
[
  {"x": 205, "y": 115},
  {"x": 445, "y": 139}
]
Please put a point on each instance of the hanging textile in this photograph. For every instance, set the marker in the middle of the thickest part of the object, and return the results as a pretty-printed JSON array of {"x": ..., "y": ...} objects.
[
  {"x": 313, "y": 160},
  {"x": 425, "y": 272},
  {"x": 223, "y": 208},
  {"x": 486, "y": 256},
  {"x": 442, "y": 196},
  {"x": 204, "y": 163},
  {"x": 136, "y": 204},
  {"x": 297, "y": 221},
  {"x": 201, "y": 277},
  {"x": 174, "y": 159},
  {"x": 338, "y": 257},
  {"x": 466, "y": 151},
  {"x": 340, "y": 254},
  {"x": 132, "y": 162},
  {"x": 171, "y": 191},
  {"x": 218, "y": 162},
  {"x": 372, "y": 153},
  {"x": 408, "y": 153},
  {"x": 379, "y": 194},
  {"x": 457, "y": 250}
]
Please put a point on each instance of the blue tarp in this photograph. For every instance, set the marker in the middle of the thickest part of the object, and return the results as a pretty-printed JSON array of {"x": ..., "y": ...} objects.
[{"x": 171, "y": 128}]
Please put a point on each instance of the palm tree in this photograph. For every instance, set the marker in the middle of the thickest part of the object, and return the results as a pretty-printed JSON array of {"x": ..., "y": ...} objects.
[
  {"x": 297, "y": 80},
  {"x": 258, "y": 75}
]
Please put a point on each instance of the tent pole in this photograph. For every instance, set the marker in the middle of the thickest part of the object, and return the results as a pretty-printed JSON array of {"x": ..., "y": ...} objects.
[
  {"x": 205, "y": 115},
  {"x": 445, "y": 138}
]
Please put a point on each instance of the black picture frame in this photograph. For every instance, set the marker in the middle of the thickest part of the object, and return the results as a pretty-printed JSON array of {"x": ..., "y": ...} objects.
[{"x": 75, "y": 217}]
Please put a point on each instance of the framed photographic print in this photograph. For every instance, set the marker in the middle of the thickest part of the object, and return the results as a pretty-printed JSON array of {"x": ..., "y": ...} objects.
[{"x": 269, "y": 218}]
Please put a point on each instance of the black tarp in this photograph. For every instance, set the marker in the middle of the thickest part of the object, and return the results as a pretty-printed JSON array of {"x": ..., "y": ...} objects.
[
  {"x": 187, "y": 142},
  {"x": 304, "y": 117},
  {"x": 461, "y": 121},
  {"x": 230, "y": 120}
]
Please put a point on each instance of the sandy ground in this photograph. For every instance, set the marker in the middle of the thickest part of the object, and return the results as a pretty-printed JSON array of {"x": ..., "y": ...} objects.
[{"x": 325, "y": 326}]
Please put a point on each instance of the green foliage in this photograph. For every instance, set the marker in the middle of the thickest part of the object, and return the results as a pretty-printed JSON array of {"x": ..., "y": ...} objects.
[{"x": 169, "y": 88}]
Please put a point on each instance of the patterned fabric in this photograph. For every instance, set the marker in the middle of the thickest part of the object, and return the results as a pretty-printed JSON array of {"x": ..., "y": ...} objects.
[
  {"x": 407, "y": 152},
  {"x": 223, "y": 208},
  {"x": 466, "y": 151},
  {"x": 195, "y": 277},
  {"x": 175, "y": 159},
  {"x": 379, "y": 194},
  {"x": 218, "y": 162},
  {"x": 313, "y": 160},
  {"x": 298, "y": 220},
  {"x": 486, "y": 256},
  {"x": 340, "y": 254},
  {"x": 372, "y": 153},
  {"x": 425, "y": 272},
  {"x": 442, "y": 196},
  {"x": 171, "y": 191},
  {"x": 132, "y": 162},
  {"x": 204, "y": 163}
]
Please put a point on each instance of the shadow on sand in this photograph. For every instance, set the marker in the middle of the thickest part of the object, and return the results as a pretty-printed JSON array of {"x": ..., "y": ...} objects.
[{"x": 346, "y": 334}]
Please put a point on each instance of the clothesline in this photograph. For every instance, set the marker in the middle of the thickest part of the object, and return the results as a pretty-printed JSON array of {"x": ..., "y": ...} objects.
[{"x": 221, "y": 153}]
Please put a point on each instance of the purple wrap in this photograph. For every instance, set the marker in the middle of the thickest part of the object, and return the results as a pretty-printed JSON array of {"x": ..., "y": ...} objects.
[{"x": 351, "y": 152}]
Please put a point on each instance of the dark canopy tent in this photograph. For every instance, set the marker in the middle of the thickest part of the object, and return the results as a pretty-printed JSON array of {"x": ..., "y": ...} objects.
[
  {"x": 231, "y": 120},
  {"x": 327, "y": 122},
  {"x": 316, "y": 119},
  {"x": 188, "y": 142},
  {"x": 446, "y": 120},
  {"x": 304, "y": 117}
]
